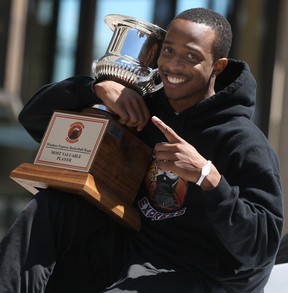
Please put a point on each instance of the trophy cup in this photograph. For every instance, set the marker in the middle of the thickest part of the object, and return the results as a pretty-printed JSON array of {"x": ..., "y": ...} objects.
[
  {"x": 89, "y": 153},
  {"x": 131, "y": 57}
]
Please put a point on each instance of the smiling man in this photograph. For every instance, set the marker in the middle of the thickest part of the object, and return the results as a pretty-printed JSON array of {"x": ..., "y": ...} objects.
[
  {"x": 187, "y": 64},
  {"x": 210, "y": 205}
]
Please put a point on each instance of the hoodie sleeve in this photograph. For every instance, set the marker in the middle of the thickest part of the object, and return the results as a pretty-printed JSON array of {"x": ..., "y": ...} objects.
[
  {"x": 70, "y": 94},
  {"x": 246, "y": 209}
]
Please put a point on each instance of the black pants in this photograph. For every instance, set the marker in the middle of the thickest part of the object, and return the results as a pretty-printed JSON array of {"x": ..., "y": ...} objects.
[
  {"x": 61, "y": 243},
  {"x": 59, "y": 228}
]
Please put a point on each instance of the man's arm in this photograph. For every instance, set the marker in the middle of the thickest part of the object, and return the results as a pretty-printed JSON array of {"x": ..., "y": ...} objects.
[
  {"x": 78, "y": 92},
  {"x": 70, "y": 94},
  {"x": 247, "y": 216}
]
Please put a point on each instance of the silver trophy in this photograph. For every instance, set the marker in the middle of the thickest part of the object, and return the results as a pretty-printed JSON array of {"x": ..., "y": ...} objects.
[{"x": 131, "y": 57}]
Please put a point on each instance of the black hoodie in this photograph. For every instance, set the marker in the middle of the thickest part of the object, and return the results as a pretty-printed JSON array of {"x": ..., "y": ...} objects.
[{"x": 229, "y": 235}]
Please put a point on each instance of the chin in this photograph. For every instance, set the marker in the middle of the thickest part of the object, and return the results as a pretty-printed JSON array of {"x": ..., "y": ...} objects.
[{"x": 172, "y": 95}]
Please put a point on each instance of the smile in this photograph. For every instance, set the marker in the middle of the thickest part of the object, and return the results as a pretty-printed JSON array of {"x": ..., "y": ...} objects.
[{"x": 175, "y": 80}]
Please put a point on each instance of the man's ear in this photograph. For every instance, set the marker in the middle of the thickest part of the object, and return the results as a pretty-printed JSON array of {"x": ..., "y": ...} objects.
[{"x": 219, "y": 66}]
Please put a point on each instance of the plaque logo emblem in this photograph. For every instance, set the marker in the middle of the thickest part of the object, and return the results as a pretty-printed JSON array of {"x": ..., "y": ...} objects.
[{"x": 74, "y": 132}]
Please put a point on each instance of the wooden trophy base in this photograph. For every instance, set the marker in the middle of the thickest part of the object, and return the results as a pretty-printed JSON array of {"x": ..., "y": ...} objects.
[
  {"x": 92, "y": 155},
  {"x": 32, "y": 176}
]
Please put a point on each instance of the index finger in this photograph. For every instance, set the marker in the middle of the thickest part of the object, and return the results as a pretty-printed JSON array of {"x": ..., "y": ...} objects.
[{"x": 169, "y": 133}]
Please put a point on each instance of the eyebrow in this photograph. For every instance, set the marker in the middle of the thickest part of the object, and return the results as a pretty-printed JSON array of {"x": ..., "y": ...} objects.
[{"x": 186, "y": 46}]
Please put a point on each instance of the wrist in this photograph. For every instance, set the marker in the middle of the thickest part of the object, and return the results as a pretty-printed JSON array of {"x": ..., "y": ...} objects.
[
  {"x": 209, "y": 177},
  {"x": 212, "y": 180},
  {"x": 204, "y": 172},
  {"x": 98, "y": 89}
]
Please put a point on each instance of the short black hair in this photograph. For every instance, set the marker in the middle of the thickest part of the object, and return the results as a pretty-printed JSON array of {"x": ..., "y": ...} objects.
[{"x": 221, "y": 26}]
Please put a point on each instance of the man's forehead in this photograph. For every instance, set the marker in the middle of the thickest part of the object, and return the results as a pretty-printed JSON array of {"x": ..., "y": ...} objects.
[
  {"x": 190, "y": 30},
  {"x": 184, "y": 23}
]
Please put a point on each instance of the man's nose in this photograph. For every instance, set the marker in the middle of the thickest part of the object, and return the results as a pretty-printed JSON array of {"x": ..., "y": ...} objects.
[{"x": 175, "y": 63}]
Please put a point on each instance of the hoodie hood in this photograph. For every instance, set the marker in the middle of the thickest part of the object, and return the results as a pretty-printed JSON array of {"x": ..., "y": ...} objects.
[
  {"x": 235, "y": 95},
  {"x": 235, "y": 89}
]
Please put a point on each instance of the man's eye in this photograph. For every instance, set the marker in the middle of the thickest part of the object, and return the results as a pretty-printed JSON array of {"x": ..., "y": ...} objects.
[
  {"x": 192, "y": 56},
  {"x": 167, "y": 50}
]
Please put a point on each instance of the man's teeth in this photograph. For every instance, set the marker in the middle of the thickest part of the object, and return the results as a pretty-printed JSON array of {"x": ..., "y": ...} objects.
[{"x": 173, "y": 79}]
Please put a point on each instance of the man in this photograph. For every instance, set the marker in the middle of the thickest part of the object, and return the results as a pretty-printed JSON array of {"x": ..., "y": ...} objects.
[{"x": 218, "y": 232}]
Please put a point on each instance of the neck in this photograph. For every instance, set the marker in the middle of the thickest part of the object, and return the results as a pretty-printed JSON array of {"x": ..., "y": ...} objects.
[{"x": 187, "y": 102}]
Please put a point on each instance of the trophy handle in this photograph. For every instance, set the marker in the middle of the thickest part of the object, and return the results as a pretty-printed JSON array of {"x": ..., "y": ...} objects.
[{"x": 153, "y": 79}]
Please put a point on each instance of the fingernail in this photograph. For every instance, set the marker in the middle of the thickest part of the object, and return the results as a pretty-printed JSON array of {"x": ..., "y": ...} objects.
[{"x": 157, "y": 119}]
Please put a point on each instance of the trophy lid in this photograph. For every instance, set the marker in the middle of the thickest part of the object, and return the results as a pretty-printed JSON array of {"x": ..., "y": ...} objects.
[{"x": 114, "y": 20}]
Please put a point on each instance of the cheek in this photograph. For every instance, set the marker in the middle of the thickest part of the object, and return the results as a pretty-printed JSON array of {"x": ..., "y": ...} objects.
[{"x": 202, "y": 72}]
